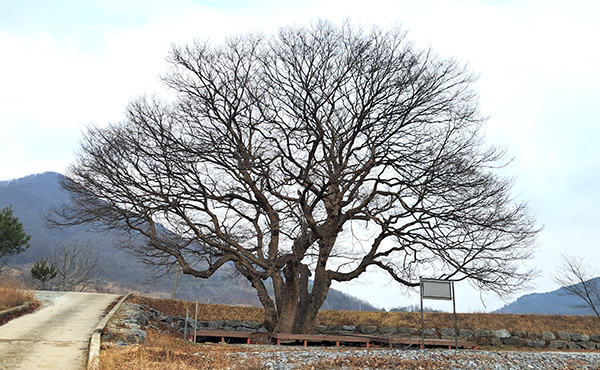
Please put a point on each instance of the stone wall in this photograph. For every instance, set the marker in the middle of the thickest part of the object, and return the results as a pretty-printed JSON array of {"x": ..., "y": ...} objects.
[{"x": 550, "y": 340}]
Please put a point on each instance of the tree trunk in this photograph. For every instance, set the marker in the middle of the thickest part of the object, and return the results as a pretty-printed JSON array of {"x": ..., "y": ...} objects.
[
  {"x": 307, "y": 314},
  {"x": 299, "y": 317},
  {"x": 271, "y": 317},
  {"x": 297, "y": 308},
  {"x": 289, "y": 306}
]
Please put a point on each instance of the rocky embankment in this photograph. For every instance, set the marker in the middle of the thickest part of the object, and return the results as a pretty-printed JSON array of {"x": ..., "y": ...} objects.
[{"x": 128, "y": 326}]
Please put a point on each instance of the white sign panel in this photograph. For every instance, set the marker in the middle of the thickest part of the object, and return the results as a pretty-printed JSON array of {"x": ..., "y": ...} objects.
[{"x": 437, "y": 289}]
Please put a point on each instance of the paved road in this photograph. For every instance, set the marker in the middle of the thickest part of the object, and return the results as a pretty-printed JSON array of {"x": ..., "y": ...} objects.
[{"x": 57, "y": 335}]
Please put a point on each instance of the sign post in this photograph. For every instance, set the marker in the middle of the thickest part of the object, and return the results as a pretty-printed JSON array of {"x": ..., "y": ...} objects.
[{"x": 439, "y": 290}]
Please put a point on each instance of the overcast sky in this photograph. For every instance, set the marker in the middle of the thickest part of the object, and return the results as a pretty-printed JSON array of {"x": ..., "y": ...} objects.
[{"x": 68, "y": 63}]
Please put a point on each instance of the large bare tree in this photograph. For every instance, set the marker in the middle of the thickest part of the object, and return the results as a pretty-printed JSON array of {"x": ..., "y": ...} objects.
[
  {"x": 77, "y": 266},
  {"x": 304, "y": 158}
]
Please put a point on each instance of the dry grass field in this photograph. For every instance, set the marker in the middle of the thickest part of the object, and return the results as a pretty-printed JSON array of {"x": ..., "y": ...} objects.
[
  {"x": 13, "y": 293},
  {"x": 164, "y": 352}
]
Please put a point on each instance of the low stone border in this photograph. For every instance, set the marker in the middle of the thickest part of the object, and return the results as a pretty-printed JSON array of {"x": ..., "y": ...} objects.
[
  {"x": 14, "y": 310},
  {"x": 519, "y": 338},
  {"x": 94, "y": 351}
]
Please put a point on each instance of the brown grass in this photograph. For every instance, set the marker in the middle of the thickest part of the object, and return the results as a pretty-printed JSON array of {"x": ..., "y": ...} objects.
[
  {"x": 206, "y": 311},
  {"x": 489, "y": 321},
  {"x": 167, "y": 353},
  {"x": 510, "y": 322},
  {"x": 13, "y": 293}
]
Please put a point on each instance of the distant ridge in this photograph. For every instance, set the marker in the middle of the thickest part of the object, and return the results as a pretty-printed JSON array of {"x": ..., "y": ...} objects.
[
  {"x": 33, "y": 195},
  {"x": 557, "y": 302}
]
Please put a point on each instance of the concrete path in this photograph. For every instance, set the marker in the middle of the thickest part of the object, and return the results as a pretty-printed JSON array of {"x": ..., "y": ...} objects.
[{"x": 57, "y": 335}]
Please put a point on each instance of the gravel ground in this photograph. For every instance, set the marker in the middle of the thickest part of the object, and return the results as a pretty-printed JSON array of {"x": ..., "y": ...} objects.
[{"x": 423, "y": 359}]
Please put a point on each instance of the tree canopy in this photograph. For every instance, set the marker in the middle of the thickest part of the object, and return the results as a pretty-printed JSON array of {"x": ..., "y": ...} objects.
[
  {"x": 13, "y": 238},
  {"x": 304, "y": 158}
]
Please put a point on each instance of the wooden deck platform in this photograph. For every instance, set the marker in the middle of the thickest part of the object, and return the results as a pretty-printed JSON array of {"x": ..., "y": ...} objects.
[
  {"x": 369, "y": 339},
  {"x": 416, "y": 341},
  {"x": 223, "y": 335},
  {"x": 349, "y": 339},
  {"x": 305, "y": 338}
]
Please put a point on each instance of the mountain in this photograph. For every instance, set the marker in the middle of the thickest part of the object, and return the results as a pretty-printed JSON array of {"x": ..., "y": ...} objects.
[
  {"x": 557, "y": 302},
  {"x": 33, "y": 196}
]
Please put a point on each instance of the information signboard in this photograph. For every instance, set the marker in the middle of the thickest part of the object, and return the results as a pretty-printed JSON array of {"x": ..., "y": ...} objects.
[
  {"x": 437, "y": 289},
  {"x": 441, "y": 290}
]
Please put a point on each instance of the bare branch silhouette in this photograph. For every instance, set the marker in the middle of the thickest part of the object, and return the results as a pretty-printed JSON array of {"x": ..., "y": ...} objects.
[{"x": 304, "y": 158}]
